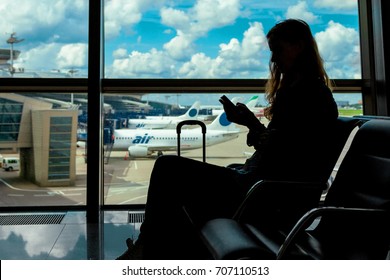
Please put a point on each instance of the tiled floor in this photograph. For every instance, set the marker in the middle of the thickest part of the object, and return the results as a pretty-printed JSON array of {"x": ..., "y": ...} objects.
[{"x": 71, "y": 239}]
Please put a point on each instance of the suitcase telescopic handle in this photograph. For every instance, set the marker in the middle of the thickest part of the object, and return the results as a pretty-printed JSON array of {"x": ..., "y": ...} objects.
[{"x": 191, "y": 122}]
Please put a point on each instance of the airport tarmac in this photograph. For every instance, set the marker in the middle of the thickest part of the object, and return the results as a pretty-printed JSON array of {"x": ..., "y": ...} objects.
[
  {"x": 126, "y": 180},
  {"x": 126, "y": 177}
]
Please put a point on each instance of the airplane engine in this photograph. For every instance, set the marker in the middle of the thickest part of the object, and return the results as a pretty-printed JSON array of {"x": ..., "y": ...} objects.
[{"x": 138, "y": 151}]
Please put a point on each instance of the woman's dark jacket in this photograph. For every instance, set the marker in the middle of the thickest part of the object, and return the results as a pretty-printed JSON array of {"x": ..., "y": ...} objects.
[{"x": 299, "y": 139}]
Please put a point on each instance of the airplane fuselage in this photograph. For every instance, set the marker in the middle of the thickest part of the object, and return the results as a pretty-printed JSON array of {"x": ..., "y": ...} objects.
[
  {"x": 166, "y": 140},
  {"x": 144, "y": 142}
]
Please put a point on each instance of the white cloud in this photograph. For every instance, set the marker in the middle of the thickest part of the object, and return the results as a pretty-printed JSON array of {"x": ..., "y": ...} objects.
[
  {"x": 215, "y": 13},
  {"x": 175, "y": 18},
  {"x": 120, "y": 53},
  {"x": 17, "y": 15},
  {"x": 180, "y": 47},
  {"x": 120, "y": 13},
  {"x": 137, "y": 64},
  {"x": 54, "y": 56},
  {"x": 254, "y": 40},
  {"x": 41, "y": 57},
  {"x": 300, "y": 11},
  {"x": 234, "y": 59},
  {"x": 203, "y": 17},
  {"x": 339, "y": 47},
  {"x": 336, "y": 4},
  {"x": 247, "y": 55},
  {"x": 124, "y": 14},
  {"x": 199, "y": 65},
  {"x": 72, "y": 55}
]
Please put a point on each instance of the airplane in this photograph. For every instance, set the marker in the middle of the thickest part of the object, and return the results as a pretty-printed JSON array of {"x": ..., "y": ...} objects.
[
  {"x": 165, "y": 122},
  {"x": 191, "y": 114},
  {"x": 145, "y": 142}
]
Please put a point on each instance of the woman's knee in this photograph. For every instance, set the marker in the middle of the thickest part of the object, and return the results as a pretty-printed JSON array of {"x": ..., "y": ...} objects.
[
  {"x": 170, "y": 161},
  {"x": 164, "y": 164}
]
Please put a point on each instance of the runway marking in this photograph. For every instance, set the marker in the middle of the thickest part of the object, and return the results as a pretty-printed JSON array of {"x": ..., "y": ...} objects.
[
  {"x": 5, "y": 183},
  {"x": 44, "y": 190},
  {"x": 135, "y": 198},
  {"x": 73, "y": 194},
  {"x": 55, "y": 192}
]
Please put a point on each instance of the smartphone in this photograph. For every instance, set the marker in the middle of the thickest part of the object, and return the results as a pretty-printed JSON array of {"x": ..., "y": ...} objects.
[{"x": 226, "y": 101}]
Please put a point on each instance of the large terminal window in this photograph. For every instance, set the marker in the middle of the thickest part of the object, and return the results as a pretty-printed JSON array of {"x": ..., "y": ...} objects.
[
  {"x": 60, "y": 150},
  {"x": 220, "y": 39},
  {"x": 10, "y": 117},
  {"x": 203, "y": 41},
  {"x": 157, "y": 58},
  {"x": 41, "y": 41}
]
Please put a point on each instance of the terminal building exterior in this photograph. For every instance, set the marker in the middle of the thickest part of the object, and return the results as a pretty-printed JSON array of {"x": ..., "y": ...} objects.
[{"x": 44, "y": 138}]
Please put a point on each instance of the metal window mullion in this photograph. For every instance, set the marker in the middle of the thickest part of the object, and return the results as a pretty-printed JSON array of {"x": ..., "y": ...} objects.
[{"x": 95, "y": 181}]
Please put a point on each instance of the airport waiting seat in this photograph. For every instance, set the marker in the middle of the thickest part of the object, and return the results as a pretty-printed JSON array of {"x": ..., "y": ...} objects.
[
  {"x": 352, "y": 222},
  {"x": 264, "y": 205}
]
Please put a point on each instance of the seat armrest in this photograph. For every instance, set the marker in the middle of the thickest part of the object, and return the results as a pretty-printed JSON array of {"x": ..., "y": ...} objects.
[{"x": 235, "y": 165}]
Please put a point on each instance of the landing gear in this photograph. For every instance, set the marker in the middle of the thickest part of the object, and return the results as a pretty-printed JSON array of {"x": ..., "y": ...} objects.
[{"x": 159, "y": 153}]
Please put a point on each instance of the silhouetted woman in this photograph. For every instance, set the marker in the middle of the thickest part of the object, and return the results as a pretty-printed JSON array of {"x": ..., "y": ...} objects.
[{"x": 293, "y": 146}]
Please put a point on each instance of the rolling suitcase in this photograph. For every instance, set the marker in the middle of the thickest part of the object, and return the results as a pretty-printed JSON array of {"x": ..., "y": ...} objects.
[{"x": 191, "y": 122}]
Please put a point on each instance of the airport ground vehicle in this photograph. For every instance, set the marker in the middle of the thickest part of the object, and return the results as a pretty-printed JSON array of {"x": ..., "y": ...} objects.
[{"x": 10, "y": 164}]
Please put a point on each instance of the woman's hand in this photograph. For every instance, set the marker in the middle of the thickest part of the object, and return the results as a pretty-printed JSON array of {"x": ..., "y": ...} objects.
[{"x": 240, "y": 114}]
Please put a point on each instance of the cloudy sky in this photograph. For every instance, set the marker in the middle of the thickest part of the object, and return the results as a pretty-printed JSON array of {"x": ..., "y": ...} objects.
[{"x": 177, "y": 39}]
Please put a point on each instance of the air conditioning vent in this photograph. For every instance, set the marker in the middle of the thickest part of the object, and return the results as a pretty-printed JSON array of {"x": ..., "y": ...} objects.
[
  {"x": 33, "y": 219},
  {"x": 136, "y": 217}
]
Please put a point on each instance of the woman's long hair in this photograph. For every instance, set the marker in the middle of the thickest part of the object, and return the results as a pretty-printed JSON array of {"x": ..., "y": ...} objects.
[{"x": 308, "y": 63}]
